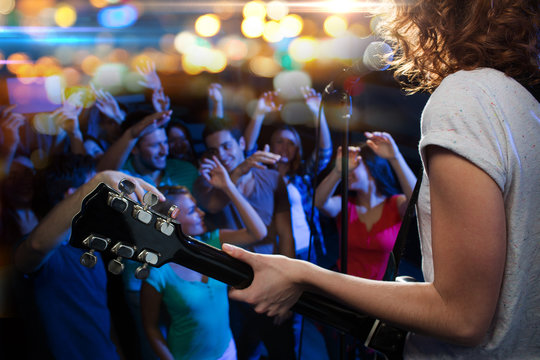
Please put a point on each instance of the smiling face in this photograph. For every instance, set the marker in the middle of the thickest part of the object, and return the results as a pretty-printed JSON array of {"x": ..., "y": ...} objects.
[
  {"x": 229, "y": 151},
  {"x": 152, "y": 150},
  {"x": 284, "y": 143},
  {"x": 189, "y": 215}
]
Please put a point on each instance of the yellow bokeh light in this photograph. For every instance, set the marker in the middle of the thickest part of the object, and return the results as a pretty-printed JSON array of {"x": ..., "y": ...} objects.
[
  {"x": 252, "y": 27},
  {"x": 335, "y": 25},
  {"x": 303, "y": 49},
  {"x": 254, "y": 9},
  {"x": 264, "y": 66},
  {"x": 6, "y": 6},
  {"x": 65, "y": 15},
  {"x": 90, "y": 64},
  {"x": 277, "y": 9},
  {"x": 140, "y": 61},
  {"x": 234, "y": 48},
  {"x": 207, "y": 25},
  {"x": 217, "y": 62},
  {"x": 33, "y": 7},
  {"x": 341, "y": 6},
  {"x": 184, "y": 41},
  {"x": 272, "y": 32},
  {"x": 291, "y": 25},
  {"x": 189, "y": 67},
  {"x": 71, "y": 76},
  {"x": 99, "y": 3},
  {"x": 16, "y": 60}
]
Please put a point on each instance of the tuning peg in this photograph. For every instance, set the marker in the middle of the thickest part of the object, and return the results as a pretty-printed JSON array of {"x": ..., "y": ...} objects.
[
  {"x": 148, "y": 257},
  {"x": 116, "y": 266},
  {"x": 123, "y": 250},
  {"x": 164, "y": 225},
  {"x": 89, "y": 259},
  {"x": 119, "y": 202},
  {"x": 141, "y": 213},
  {"x": 142, "y": 272},
  {"x": 96, "y": 242}
]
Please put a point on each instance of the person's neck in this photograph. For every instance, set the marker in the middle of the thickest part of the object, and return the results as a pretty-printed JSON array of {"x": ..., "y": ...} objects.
[
  {"x": 139, "y": 168},
  {"x": 370, "y": 199}
]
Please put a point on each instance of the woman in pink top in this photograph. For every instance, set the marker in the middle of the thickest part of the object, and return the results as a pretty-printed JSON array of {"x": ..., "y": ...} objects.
[{"x": 375, "y": 206}]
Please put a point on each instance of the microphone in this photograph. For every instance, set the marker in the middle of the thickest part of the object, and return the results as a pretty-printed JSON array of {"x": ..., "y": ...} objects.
[{"x": 376, "y": 58}]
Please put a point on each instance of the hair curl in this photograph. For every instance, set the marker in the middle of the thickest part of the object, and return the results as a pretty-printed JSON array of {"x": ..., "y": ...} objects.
[{"x": 436, "y": 38}]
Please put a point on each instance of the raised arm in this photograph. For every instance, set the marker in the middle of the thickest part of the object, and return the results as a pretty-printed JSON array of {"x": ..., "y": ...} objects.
[
  {"x": 10, "y": 122},
  {"x": 115, "y": 157},
  {"x": 107, "y": 104},
  {"x": 54, "y": 227},
  {"x": 215, "y": 100},
  {"x": 313, "y": 102},
  {"x": 267, "y": 103},
  {"x": 324, "y": 201},
  {"x": 460, "y": 303},
  {"x": 67, "y": 118},
  {"x": 384, "y": 146},
  {"x": 255, "y": 230}
]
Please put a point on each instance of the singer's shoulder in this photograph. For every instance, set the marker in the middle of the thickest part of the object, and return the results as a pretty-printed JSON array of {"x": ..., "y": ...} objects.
[{"x": 481, "y": 80}]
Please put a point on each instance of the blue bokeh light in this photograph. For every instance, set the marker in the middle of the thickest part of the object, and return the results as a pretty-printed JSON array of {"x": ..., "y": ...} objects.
[{"x": 117, "y": 16}]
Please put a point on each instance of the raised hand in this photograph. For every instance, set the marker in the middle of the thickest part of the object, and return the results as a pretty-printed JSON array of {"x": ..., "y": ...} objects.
[
  {"x": 150, "y": 77},
  {"x": 354, "y": 158},
  {"x": 312, "y": 98},
  {"x": 382, "y": 144},
  {"x": 267, "y": 102},
  {"x": 215, "y": 100},
  {"x": 150, "y": 123},
  {"x": 160, "y": 101},
  {"x": 107, "y": 104},
  {"x": 10, "y": 122},
  {"x": 215, "y": 173}
]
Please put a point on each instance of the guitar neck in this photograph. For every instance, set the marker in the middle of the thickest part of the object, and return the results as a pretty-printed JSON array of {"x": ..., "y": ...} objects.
[{"x": 214, "y": 263}]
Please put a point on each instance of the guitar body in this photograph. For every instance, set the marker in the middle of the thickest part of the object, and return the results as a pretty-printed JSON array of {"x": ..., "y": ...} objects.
[{"x": 109, "y": 222}]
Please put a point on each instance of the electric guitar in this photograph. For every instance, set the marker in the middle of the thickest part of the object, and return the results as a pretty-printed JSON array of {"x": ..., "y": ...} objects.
[{"x": 110, "y": 222}]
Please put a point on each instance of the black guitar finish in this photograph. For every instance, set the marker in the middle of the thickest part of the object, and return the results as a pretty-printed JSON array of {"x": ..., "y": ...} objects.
[{"x": 98, "y": 218}]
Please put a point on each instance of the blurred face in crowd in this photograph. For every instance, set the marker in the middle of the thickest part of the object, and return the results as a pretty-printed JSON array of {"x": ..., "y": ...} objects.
[
  {"x": 229, "y": 151},
  {"x": 359, "y": 178},
  {"x": 179, "y": 145},
  {"x": 284, "y": 143},
  {"x": 18, "y": 185},
  {"x": 189, "y": 215},
  {"x": 152, "y": 149},
  {"x": 110, "y": 129}
]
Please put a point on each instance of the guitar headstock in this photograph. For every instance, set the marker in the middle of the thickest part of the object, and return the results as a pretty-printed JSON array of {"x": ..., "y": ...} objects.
[{"x": 112, "y": 223}]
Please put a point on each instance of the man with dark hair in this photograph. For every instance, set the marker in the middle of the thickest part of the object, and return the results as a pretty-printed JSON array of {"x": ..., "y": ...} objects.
[
  {"x": 265, "y": 190},
  {"x": 69, "y": 300}
]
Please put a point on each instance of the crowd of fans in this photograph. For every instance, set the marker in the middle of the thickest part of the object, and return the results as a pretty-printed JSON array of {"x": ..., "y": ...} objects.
[{"x": 237, "y": 191}]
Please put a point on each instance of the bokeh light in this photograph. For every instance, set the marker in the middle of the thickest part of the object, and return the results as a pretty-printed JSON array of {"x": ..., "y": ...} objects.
[
  {"x": 217, "y": 62},
  {"x": 276, "y": 10},
  {"x": 303, "y": 49},
  {"x": 252, "y": 27},
  {"x": 99, "y": 3},
  {"x": 65, "y": 15},
  {"x": 90, "y": 64},
  {"x": 291, "y": 25},
  {"x": 264, "y": 66},
  {"x": 335, "y": 25},
  {"x": 272, "y": 32},
  {"x": 6, "y": 6},
  {"x": 254, "y": 9},
  {"x": 184, "y": 41},
  {"x": 207, "y": 25},
  {"x": 16, "y": 61},
  {"x": 110, "y": 77},
  {"x": 235, "y": 48},
  {"x": 33, "y": 7},
  {"x": 118, "y": 16},
  {"x": 289, "y": 84}
]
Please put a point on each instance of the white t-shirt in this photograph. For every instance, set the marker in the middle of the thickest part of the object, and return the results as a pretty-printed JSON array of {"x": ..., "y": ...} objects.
[{"x": 494, "y": 122}]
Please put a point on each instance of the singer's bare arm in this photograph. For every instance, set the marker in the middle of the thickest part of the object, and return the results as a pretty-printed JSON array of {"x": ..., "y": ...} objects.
[{"x": 460, "y": 303}]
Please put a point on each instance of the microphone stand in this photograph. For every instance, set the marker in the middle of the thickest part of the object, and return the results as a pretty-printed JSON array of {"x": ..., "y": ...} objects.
[{"x": 344, "y": 99}]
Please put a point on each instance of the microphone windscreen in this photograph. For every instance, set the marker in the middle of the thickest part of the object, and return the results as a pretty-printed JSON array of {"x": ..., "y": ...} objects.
[{"x": 377, "y": 56}]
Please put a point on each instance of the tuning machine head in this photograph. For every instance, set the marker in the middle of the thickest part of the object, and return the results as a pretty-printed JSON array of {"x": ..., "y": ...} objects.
[
  {"x": 119, "y": 202},
  {"x": 89, "y": 259},
  {"x": 141, "y": 213},
  {"x": 164, "y": 225}
]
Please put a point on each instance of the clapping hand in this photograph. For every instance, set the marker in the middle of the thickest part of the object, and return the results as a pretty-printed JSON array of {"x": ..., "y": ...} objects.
[
  {"x": 382, "y": 144},
  {"x": 107, "y": 104},
  {"x": 150, "y": 77}
]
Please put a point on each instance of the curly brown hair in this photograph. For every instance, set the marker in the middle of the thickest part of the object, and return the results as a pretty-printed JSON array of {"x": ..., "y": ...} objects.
[{"x": 436, "y": 38}]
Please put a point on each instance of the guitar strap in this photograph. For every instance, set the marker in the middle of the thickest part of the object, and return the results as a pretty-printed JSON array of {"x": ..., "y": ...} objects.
[{"x": 399, "y": 245}]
